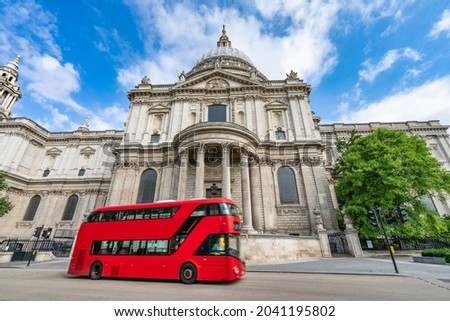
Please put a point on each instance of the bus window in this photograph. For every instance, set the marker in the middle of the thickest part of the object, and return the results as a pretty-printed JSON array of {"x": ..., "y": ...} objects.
[
  {"x": 108, "y": 216},
  {"x": 93, "y": 217},
  {"x": 213, "y": 245},
  {"x": 161, "y": 246},
  {"x": 100, "y": 247},
  {"x": 123, "y": 247},
  {"x": 151, "y": 247},
  {"x": 233, "y": 245},
  {"x": 214, "y": 209},
  {"x": 218, "y": 245},
  {"x": 229, "y": 209},
  {"x": 128, "y": 215},
  {"x": 138, "y": 247},
  {"x": 200, "y": 211}
]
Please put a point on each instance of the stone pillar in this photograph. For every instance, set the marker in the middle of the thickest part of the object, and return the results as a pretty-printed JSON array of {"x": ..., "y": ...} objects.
[
  {"x": 183, "y": 174},
  {"x": 226, "y": 176},
  {"x": 200, "y": 173},
  {"x": 255, "y": 192},
  {"x": 246, "y": 197},
  {"x": 165, "y": 182},
  {"x": 354, "y": 245},
  {"x": 322, "y": 233}
]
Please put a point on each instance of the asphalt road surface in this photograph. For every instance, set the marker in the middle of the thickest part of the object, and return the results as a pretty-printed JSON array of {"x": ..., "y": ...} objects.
[{"x": 38, "y": 282}]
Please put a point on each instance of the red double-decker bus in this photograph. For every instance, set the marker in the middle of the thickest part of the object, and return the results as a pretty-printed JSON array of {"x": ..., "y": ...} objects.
[{"x": 181, "y": 240}]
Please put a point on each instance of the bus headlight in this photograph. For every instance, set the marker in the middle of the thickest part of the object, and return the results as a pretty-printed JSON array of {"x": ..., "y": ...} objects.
[{"x": 236, "y": 270}]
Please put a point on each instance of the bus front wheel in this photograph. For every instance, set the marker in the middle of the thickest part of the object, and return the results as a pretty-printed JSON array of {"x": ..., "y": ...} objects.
[
  {"x": 95, "y": 272},
  {"x": 188, "y": 273}
]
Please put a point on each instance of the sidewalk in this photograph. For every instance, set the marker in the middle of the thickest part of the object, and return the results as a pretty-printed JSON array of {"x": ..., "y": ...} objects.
[{"x": 378, "y": 265}]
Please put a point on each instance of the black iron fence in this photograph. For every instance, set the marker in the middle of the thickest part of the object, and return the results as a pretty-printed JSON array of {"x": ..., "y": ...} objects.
[
  {"x": 21, "y": 247},
  {"x": 407, "y": 244},
  {"x": 338, "y": 243}
]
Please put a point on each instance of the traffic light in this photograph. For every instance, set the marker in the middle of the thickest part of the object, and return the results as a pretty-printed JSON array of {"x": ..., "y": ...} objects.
[
  {"x": 372, "y": 215},
  {"x": 402, "y": 214},
  {"x": 37, "y": 231},
  {"x": 46, "y": 233},
  {"x": 390, "y": 219}
]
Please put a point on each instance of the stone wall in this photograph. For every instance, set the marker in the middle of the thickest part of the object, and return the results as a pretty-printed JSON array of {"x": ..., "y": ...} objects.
[{"x": 278, "y": 248}]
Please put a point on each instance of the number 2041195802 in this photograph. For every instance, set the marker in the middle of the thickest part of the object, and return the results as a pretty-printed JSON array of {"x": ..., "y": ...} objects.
[{"x": 296, "y": 311}]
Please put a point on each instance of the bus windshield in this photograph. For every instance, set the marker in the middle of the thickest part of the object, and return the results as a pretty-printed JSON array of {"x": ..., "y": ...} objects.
[{"x": 229, "y": 209}]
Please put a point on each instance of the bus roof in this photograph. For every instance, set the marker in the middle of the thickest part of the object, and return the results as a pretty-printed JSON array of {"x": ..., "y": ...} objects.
[{"x": 163, "y": 203}]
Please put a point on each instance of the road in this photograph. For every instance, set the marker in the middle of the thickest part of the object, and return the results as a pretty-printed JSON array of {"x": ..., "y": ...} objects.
[{"x": 40, "y": 282}]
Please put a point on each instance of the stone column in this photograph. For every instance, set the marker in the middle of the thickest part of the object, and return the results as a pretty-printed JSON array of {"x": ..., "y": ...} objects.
[
  {"x": 165, "y": 184},
  {"x": 200, "y": 173},
  {"x": 183, "y": 174},
  {"x": 246, "y": 197},
  {"x": 255, "y": 192},
  {"x": 226, "y": 177}
]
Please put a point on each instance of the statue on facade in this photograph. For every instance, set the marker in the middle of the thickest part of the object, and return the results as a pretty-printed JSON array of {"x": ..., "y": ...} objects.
[{"x": 292, "y": 75}]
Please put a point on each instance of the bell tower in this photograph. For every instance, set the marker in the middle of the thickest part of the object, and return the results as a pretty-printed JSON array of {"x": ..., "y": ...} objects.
[{"x": 9, "y": 89}]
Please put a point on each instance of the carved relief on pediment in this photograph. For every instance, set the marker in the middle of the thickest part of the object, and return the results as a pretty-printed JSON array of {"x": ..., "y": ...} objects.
[{"x": 217, "y": 83}]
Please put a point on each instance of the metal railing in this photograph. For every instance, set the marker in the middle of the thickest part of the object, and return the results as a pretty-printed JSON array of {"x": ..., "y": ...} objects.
[
  {"x": 407, "y": 244},
  {"x": 59, "y": 247}
]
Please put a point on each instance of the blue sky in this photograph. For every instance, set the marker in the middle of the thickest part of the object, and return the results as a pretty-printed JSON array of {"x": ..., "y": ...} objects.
[{"x": 366, "y": 60}]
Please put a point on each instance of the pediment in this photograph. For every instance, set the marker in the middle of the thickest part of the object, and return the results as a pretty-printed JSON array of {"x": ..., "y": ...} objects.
[
  {"x": 276, "y": 105},
  {"x": 217, "y": 79},
  {"x": 158, "y": 108},
  {"x": 88, "y": 151},
  {"x": 53, "y": 152}
]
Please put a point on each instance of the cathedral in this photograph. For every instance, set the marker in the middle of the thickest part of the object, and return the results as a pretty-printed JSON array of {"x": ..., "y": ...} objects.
[{"x": 222, "y": 129}]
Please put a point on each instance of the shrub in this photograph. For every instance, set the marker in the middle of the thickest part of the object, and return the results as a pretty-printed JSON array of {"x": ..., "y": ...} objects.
[{"x": 445, "y": 253}]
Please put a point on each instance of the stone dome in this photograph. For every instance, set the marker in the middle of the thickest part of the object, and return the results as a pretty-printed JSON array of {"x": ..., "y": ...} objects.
[{"x": 224, "y": 49}]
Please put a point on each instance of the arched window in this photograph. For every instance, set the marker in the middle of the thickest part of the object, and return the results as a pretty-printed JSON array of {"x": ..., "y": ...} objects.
[
  {"x": 81, "y": 172},
  {"x": 147, "y": 187},
  {"x": 287, "y": 186},
  {"x": 46, "y": 173},
  {"x": 32, "y": 208},
  {"x": 71, "y": 205},
  {"x": 217, "y": 113}
]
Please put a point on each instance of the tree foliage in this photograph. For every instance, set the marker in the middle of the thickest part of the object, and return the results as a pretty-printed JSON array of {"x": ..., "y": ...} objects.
[
  {"x": 388, "y": 169},
  {"x": 5, "y": 204}
]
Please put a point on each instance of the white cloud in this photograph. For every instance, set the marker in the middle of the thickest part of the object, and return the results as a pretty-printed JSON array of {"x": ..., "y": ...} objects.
[
  {"x": 186, "y": 32},
  {"x": 112, "y": 117},
  {"x": 431, "y": 101},
  {"x": 371, "y": 10},
  {"x": 49, "y": 80},
  {"x": 371, "y": 71},
  {"x": 442, "y": 26},
  {"x": 55, "y": 120}
]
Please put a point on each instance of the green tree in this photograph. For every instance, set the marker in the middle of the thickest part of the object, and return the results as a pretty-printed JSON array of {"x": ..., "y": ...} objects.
[
  {"x": 388, "y": 169},
  {"x": 5, "y": 204}
]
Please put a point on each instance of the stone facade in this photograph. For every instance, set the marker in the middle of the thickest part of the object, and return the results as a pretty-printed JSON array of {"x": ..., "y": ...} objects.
[{"x": 222, "y": 129}]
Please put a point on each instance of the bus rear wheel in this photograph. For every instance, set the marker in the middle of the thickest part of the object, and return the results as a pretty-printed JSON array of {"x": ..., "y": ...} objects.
[
  {"x": 95, "y": 272},
  {"x": 188, "y": 273}
]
